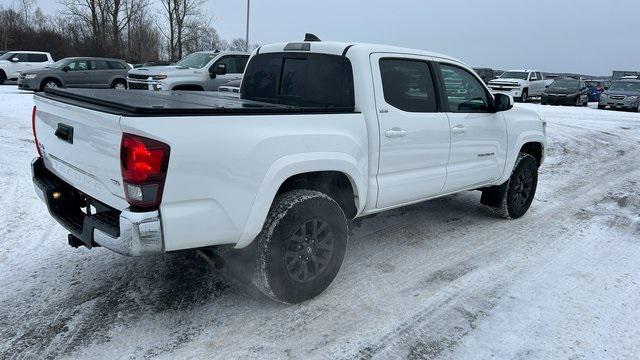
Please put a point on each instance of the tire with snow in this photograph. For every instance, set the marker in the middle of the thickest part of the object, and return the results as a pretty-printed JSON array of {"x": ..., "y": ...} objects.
[
  {"x": 3, "y": 77},
  {"x": 301, "y": 246},
  {"x": 513, "y": 198},
  {"x": 602, "y": 107}
]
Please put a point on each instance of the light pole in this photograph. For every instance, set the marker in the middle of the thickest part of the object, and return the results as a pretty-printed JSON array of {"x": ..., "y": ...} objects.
[{"x": 247, "y": 35}]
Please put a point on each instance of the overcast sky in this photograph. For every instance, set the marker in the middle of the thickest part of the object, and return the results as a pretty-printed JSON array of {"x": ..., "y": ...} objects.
[{"x": 586, "y": 36}]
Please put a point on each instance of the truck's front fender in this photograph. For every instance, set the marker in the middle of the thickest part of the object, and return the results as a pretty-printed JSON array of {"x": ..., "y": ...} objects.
[{"x": 296, "y": 164}]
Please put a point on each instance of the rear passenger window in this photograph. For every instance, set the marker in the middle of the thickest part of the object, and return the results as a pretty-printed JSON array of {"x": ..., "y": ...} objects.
[
  {"x": 37, "y": 57},
  {"x": 539, "y": 75},
  {"x": 408, "y": 85},
  {"x": 99, "y": 65}
]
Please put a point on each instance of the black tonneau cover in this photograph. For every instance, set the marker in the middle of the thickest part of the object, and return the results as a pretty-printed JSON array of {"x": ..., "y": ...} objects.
[{"x": 174, "y": 103}]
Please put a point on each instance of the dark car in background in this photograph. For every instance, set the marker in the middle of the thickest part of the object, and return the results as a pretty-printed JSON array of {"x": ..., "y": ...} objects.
[
  {"x": 566, "y": 91},
  {"x": 83, "y": 72},
  {"x": 486, "y": 74},
  {"x": 622, "y": 94},
  {"x": 596, "y": 87}
]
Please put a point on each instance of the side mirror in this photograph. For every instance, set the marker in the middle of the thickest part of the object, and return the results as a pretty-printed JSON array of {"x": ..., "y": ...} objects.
[
  {"x": 217, "y": 69},
  {"x": 15, "y": 59},
  {"x": 221, "y": 69},
  {"x": 66, "y": 68},
  {"x": 502, "y": 102}
]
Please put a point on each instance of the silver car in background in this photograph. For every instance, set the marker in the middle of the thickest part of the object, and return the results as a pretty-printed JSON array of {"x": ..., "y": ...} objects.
[
  {"x": 82, "y": 72},
  {"x": 622, "y": 94}
]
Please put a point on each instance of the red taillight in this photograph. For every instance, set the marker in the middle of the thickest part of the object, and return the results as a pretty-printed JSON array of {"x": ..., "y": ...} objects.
[
  {"x": 144, "y": 164},
  {"x": 33, "y": 127},
  {"x": 599, "y": 89}
]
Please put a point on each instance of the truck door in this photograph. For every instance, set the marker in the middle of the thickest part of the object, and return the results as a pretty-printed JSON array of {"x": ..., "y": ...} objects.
[
  {"x": 478, "y": 136},
  {"x": 414, "y": 136}
]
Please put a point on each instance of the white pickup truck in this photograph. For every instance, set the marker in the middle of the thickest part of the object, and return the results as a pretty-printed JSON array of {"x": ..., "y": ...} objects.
[
  {"x": 521, "y": 84},
  {"x": 323, "y": 132}
]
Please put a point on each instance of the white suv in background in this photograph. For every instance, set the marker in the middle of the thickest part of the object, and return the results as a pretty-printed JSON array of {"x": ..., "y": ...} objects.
[
  {"x": 200, "y": 71},
  {"x": 521, "y": 84},
  {"x": 14, "y": 62}
]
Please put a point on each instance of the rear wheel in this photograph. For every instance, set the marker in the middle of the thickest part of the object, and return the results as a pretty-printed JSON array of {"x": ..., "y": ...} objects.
[
  {"x": 301, "y": 246},
  {"x": 3, "y": 77},
  {"x": 119, "y": 85},
  {"x": 601, "y": 107}
]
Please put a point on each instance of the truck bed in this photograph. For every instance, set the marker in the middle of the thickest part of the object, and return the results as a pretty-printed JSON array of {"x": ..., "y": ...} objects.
[{"x": 174, "y": 103}]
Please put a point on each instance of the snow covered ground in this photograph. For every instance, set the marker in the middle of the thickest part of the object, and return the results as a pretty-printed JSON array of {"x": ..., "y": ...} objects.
[{"x": 442, "y": 279}]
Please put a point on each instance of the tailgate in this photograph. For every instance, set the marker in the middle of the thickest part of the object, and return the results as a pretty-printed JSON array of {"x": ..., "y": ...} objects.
[{"x": 82, "y": 147}]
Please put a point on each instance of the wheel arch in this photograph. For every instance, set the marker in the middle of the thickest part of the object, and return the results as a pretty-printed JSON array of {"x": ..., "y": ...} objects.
[
  {"x": 535, "y": 149},
  {"x": 338, "y": 175}
]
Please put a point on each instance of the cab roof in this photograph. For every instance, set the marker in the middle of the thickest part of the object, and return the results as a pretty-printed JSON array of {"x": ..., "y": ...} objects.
[{"x": 344, "y": 48}]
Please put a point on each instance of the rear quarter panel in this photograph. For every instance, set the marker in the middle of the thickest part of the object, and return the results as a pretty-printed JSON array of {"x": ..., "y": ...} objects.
[{"x": 224, "y": 171}]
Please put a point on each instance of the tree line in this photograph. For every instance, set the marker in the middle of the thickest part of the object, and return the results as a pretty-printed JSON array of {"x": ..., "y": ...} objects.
[{"x": 134, "y": 30}]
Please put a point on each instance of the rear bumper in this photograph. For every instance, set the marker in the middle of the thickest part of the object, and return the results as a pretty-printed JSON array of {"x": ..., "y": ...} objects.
[{"x": 126, "y": 232}]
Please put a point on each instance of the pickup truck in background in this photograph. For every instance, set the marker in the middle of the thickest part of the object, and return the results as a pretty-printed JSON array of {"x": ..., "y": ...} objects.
[
  {"x": 12, "y": 63},
  {"x": 200, "y": 71},
  {"x": 520, "y": 84},
  {"x": 323, "y": 132}
]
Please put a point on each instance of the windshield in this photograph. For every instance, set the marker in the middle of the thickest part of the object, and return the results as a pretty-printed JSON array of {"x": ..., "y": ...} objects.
[
  {"x": 304, "y": 80},
  {"x": 625, "y": 86},
  {"x": 6, "y": 56},
  {"x": 565, "y": 84},
  {"x": 515, "y": 75},
  {"x": 196, "y": 60}
]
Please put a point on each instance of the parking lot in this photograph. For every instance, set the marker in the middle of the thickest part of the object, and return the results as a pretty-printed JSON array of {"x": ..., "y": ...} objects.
[{"x": 441, "y": 279}]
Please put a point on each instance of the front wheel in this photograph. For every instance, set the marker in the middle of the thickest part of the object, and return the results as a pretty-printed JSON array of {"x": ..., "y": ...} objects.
[
  {"x": 119, "y": 85},
  {"x": 602, "y": 107},
  {"x": 50, "y": 84},
  {"x": 301, "y": 246},
  {"x": 525, "y": 96},
  {"x": 513, "y": 198}
]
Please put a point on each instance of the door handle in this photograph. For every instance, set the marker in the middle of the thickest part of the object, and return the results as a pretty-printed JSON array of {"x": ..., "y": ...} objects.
[
  {"x": 395, "y": 132},
  {"x": 458, "y": 129}
]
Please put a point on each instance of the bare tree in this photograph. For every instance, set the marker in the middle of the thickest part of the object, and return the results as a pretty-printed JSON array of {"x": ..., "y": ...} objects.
[{"x": 179, "y": 14}]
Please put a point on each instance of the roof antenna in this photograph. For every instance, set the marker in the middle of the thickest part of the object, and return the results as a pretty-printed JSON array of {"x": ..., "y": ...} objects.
[{"x": 311, "y": 37}]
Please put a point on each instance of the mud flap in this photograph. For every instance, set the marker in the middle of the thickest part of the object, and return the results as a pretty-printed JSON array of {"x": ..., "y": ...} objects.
[{"x": 493, "y": 196}]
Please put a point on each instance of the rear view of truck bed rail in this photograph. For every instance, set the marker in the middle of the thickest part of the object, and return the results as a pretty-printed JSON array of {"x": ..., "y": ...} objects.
[{"x": 181, "y": 103}]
